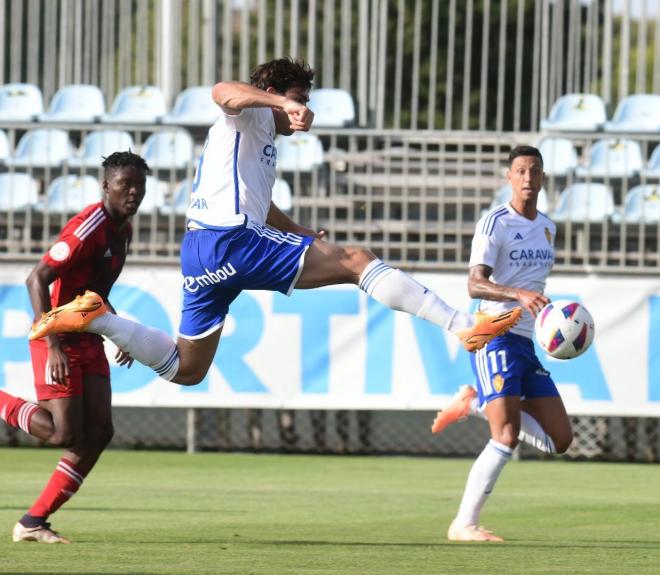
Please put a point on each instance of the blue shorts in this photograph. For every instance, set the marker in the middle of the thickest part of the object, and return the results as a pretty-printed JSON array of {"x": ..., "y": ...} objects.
[
  {"x": 508, "y": 366},
  {"x": 217, "y": 265}
]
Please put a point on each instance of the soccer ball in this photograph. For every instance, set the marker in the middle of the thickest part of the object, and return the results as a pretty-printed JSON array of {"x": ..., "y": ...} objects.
[{"x": 564, "y": 329}]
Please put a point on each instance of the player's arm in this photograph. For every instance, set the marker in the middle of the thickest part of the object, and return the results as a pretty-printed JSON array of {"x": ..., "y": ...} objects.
[
  {"x": 38, "y": 282},
  {"x": 280, "y": 221},
  {"x": 480, "y": 286},
  {"x": 233, "y": 97}
]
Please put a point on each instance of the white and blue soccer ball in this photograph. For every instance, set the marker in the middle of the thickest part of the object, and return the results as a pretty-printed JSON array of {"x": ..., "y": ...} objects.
[{"x": 564, "y": 329}]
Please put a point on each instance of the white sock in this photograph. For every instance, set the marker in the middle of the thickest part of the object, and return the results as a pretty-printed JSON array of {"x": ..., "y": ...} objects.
[
  {"x": 532, "y": 433},
  {"x": 147, "y": 345},
  {"x": 399, "y": 291},
  {"x": 481, "y": 481}
]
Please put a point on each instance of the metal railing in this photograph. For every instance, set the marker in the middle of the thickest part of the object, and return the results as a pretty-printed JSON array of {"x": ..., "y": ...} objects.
[
  {"x": 411, "y": 197},
  {"x": 419, "y": 64}
]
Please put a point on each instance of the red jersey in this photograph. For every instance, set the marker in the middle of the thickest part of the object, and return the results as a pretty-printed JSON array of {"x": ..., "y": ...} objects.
[{"x": 88, "y": 255}]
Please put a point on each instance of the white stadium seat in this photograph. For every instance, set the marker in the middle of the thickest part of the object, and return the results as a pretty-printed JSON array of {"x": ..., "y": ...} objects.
[
  {"x": 584, "y": 202},
  {"x": 137, "y": 105},
  {"x": 576, "y": 113},
  {"x": 170, "y": 149},
  {"x": 17, "y": 191},
  {"x": 612, "y": 158},
  {"x": 194, "y": 107},
  {"x": 641, "y": 204},
  {"x": 559, "y": 156},
  {"x": 332, "y": 107},
  {"x": 638, "y": 113},
  {"x": 70, "y": 194},
  {"x": 76, "y": 103},
  {"x": 100, "y": 144},
  {"x": 42, "y": 148},
  {"x": 20, "y": 102},
  {"x": 300, "y": 152}
]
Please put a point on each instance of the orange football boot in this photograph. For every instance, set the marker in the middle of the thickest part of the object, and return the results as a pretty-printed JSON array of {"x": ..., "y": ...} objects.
[
  {"x": 459, "y": 408},
  {"x": 487, "y": 327},
  {"x": 471, "y": 533},
  {"x": 73, "y": 316}
]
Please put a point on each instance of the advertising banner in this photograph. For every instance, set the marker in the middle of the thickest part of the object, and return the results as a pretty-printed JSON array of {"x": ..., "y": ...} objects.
[{"x": 336, "y": 348}]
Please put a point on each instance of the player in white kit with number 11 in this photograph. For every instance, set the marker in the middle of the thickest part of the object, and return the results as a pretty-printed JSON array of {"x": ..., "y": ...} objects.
[{"x": 512, "y": 255}]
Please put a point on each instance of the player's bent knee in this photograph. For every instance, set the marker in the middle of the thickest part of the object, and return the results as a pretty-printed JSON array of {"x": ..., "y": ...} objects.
[
  {"x": 563, "y": 442},
  {"x": 190, "y": 378},
  {"x": 62, "y": 438}
]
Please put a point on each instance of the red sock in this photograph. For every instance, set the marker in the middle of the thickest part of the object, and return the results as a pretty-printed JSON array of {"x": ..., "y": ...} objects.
[
  {"x": 61, "y": 486},
  {"x": 16, "y": 411}
]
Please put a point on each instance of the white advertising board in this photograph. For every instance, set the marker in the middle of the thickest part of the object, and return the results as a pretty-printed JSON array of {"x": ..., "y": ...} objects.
[{"x": 336, "y": 348}]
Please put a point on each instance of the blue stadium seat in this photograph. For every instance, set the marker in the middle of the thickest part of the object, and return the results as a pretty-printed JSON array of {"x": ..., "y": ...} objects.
[
  {"x": 137, "y": 105},
  {"x": 180, "y": 199},
  {"x": 300, "y": 152},
  {"x": 76, "y": 103},
  {"x": 584, "y": 202},
  {"x": 42, "y": 148},
  {"x": 612, "y": 158},
  {"x": 170, "y": 149},
  {"x": 20, "y": 102},
  {"x": 576, "y": 113},
  {"x": 504, "y": 194},
  {"x": 70, "y": 194},
  {"x": 332, "y": 107},
  {"x": 4, "y": 146},
  {"x": 641, "y": 204},
  {"x": 559, "y": 156},
  {"x": 652, "y": 170},
  {"x": 100, "y": 144},
  {"x": 638, "y": 113},
  {"x": 154, "y": 197},
  {"x": 17, "y": 191},
  {"x": 194, "y": 107},
  {"x": 282, "y": 196}
]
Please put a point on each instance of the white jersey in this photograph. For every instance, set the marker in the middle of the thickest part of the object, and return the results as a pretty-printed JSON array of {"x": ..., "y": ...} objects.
[
  {"x": 519, "y": 251},
  {"x": 236, "y": 171}
]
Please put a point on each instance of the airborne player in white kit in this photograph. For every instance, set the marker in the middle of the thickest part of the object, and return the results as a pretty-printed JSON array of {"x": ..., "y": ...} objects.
[
  {"x": 237, "y": 239},
  {"x": 512, "y": 254}
]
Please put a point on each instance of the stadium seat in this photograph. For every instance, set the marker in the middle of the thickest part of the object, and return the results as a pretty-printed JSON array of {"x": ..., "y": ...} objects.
[
  {"x": 652, "y": 170},
  {"x": 282, "y": 196},
  {"x": 639, "y": 113},
  {"x": 77, "y": 103},
  {"x": 154, "y": 197},
  {"x": 300, "y": 152},
  {"x": 503, "y": 195},
  {"x": 4, "y": 146},
  {"x": 170, "y": 149},
  {"x": 641, "y": 204},
  {"x": 42, "y": 148},
  {"x": 559, "y": 156},
  {"x": 20, "y": 102},
  {"x": 194, "y": 107},
  {"x": 17, "y": 191},
  {"x": 100, "y": 144},
  {"x": 180, "y": 200},
  {"x": 576, "y": 113},
  {"x": 584, "y": 202},
  {"x": 69, "y": 194},
  {"x": 137, "y": 105},
  {"x": 612, "y": 158},
  {"x": 332, "y": 107}
]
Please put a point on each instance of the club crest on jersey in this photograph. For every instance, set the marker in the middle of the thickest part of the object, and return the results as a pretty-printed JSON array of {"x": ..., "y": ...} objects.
[
  {"x": 498, "y": 382},
  {"x": 59, "y": 252},
  {"x": 548, "y": 235}
]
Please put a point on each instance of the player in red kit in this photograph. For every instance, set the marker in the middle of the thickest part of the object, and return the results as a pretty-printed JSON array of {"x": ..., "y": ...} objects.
[{"x": 71, "y": 371}]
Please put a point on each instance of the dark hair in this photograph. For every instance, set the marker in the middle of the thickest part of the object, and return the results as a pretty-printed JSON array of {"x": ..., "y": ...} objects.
[
  {"x": 282, "y": 74},
  {"x": 524, "y": 151},
  {"x": 124, "y": 160}
]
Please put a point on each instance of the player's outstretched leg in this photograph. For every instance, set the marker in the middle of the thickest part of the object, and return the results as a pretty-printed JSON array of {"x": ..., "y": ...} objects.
[
  {"x": 73, "y": 316},
  {"x": 459, "y": 408},
  {"x": 40, "y": 534},
  {"x": 488, "y": 327},
  {"x": 150, "y": 346}
]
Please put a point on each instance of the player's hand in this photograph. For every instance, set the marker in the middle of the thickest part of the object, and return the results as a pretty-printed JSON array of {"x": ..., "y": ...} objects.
[
  {"x": 123, "y": 358},
  {"x": 58, "y": 365},
  {"x": 300, "y": 116},
  {"x": 532, "y": 301}
]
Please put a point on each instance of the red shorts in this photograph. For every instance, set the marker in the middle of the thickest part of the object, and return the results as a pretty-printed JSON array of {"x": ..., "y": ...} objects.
[{"x": 86, "y": 357}]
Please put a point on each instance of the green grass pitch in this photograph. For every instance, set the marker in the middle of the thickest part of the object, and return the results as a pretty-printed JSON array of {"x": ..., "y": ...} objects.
[{"x": 171, "y": 513}]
